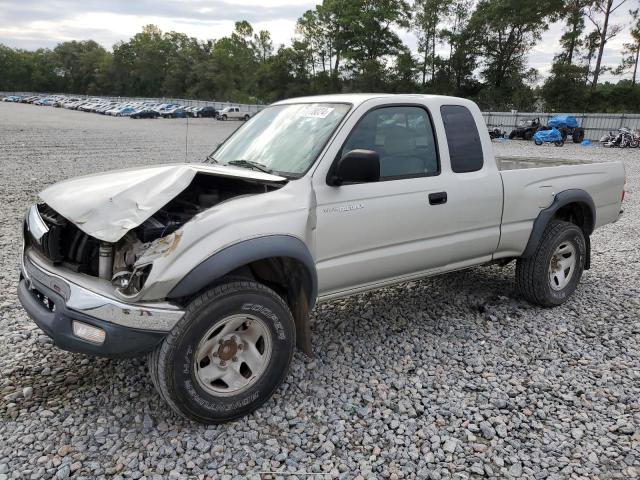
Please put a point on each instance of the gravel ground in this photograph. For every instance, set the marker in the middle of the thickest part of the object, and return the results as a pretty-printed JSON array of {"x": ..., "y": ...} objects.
[{"x": 453, "y": 377}]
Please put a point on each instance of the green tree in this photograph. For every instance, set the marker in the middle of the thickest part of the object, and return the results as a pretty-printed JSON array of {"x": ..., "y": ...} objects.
[
  {"x": 15, "y": 69},
  {"x": 599, "y": 14},
  {"x": 564, "y": 89},
  {"x": 573, "y": 14},
  {"x": 591, "y": 45},
  {"x": 631, "y": 51},
  {"x": 263, "y": 45},
  {"x": 78, "y": 64},
  {"x": 457, "y": 74},
  {"x": 428, "y": 17},
  {"x": 504, "y": 31}
]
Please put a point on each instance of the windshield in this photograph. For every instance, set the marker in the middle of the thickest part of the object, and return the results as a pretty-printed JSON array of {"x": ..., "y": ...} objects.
[{"x": 283, "y": 139}]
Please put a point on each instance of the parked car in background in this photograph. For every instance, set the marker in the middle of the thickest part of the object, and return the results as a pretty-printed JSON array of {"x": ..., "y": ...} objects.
[
  {"x": 175, "y": 111},
  {"x": 129, "y": 106},
  {"x": 126, "y": 111},
  {"x": 145, "y": 113},
  {"x": 233, "y": 113},
  {"x": 206, "y": 112}
]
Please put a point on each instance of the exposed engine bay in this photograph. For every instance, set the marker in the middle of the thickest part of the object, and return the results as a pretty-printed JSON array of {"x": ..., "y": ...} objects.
[{"x": 127, "y": 262}]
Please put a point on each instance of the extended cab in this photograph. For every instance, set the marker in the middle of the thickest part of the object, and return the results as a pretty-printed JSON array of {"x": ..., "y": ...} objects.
[{"x": 213, "y": 268}]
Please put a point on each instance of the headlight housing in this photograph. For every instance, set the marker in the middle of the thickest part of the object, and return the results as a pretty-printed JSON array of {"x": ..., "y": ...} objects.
[{"x": 130, "y": 282}]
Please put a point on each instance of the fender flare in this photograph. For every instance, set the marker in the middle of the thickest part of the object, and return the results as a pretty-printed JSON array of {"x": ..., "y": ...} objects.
[
  {"x": 544, "y": 217},
  {"x": 242, "y": 253}
]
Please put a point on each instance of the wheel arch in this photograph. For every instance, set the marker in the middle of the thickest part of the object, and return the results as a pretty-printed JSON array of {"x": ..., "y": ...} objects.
[
  {"x": 282, "y": 262},
  {"x": 575, "y": 206}
]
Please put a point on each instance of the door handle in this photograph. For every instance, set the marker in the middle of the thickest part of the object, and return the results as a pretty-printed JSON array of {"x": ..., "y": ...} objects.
[{"x": 437, "y": 198}]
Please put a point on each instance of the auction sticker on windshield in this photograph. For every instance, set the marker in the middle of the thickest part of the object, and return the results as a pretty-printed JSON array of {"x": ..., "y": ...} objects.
[{"x": 316, "y": 112}]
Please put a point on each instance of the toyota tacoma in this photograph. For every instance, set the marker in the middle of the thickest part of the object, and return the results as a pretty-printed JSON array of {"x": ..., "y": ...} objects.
[{"x": 211, "y": 269}]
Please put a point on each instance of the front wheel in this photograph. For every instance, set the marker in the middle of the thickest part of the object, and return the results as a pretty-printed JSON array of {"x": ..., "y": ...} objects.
[
  {"x": 227, "y": 355},
  {"x": 551, "y": 274},
  {"x": 537, "y": 142},
  {"x": 558, "y": 143}
]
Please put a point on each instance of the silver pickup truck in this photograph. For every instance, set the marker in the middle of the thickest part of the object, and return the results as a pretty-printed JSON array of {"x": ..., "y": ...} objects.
[{"x": 212, "y": 268}]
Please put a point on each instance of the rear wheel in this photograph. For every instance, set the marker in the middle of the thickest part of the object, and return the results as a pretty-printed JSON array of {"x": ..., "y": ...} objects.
[
  {"x": 223, "y": 117},
  {"x": 551, "y": 274},
  {"x": 528, "y": 135},
  {"x": 246, "y": 117},
  {"x": 559, "y": 143},
  {"x": 227, "y": 355}
]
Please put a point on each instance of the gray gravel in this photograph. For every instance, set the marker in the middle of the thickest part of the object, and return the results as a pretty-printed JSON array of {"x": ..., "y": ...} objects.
[{"x": 453, "y": 377}]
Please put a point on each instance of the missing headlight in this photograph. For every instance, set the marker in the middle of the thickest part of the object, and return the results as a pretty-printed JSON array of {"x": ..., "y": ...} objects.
[{"x": 130, "y": 283}]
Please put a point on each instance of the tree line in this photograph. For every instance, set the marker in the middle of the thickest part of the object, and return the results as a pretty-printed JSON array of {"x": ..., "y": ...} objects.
[{"x": 471, "y": 48}]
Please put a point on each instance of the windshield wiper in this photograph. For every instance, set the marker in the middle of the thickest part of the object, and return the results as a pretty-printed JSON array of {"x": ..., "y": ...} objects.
[{"x": 250, "y": 164}]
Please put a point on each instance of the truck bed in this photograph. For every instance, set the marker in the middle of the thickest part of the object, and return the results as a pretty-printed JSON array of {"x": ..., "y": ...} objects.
[
  {"x": 530, "y": 185},
  {"x": 517, "y": 163}
]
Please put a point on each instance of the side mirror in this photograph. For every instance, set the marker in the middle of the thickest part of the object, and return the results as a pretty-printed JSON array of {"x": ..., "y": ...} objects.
[{"x": 356, "y": 166}]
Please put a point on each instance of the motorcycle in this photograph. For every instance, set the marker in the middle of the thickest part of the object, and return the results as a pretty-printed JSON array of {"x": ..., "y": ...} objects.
[
  {"x": 606, "y": 139},
  {"x": 553, "y": 135},
  {"x": 497, "y": 133},
  {"x": 623, "y": 139}
]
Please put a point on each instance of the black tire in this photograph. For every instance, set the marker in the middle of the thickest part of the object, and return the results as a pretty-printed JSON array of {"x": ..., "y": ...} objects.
[
  {"x": 246, "y": 117},
  {"x": 528, "y": 135},
  {"x": 559, "y": 143},
  {"x": 223, "y": 117},
  {"x": 533, "y": 280},
  {"x": 172, "y": 365},
  {"x": 578, "y": 135},
  {"x": 512, "y": 135},
  {"x": 537, "y": 142}
]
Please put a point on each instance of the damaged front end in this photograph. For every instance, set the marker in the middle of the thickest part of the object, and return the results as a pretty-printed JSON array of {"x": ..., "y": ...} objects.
[{"x": 114, "y": 226}]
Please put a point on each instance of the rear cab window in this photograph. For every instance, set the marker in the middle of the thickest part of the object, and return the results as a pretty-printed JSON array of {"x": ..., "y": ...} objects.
[{"x": 463, "y": 139}]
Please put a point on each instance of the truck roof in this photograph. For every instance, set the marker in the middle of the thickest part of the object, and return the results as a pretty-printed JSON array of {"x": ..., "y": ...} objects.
[{"x": 358, "y": 98}]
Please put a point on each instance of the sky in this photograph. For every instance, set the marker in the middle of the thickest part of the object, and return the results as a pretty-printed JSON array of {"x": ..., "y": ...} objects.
[{"x": 32, "y": 24}]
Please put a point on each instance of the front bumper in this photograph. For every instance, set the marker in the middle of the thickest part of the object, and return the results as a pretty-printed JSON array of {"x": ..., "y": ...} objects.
[{"x": 54, "y": 302}]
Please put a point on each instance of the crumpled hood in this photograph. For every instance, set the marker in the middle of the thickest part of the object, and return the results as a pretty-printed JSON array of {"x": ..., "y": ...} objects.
[{"x": 108, "y": 205}]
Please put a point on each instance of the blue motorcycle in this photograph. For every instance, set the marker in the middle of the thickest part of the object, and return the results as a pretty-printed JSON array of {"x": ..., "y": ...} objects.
[{"x": 552, "y": 135}]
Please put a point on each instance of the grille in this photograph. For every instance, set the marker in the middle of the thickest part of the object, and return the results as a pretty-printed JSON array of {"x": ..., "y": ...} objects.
[
  {"x": 51, "y": 244},
  {"x": 67, "y": 244}
]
